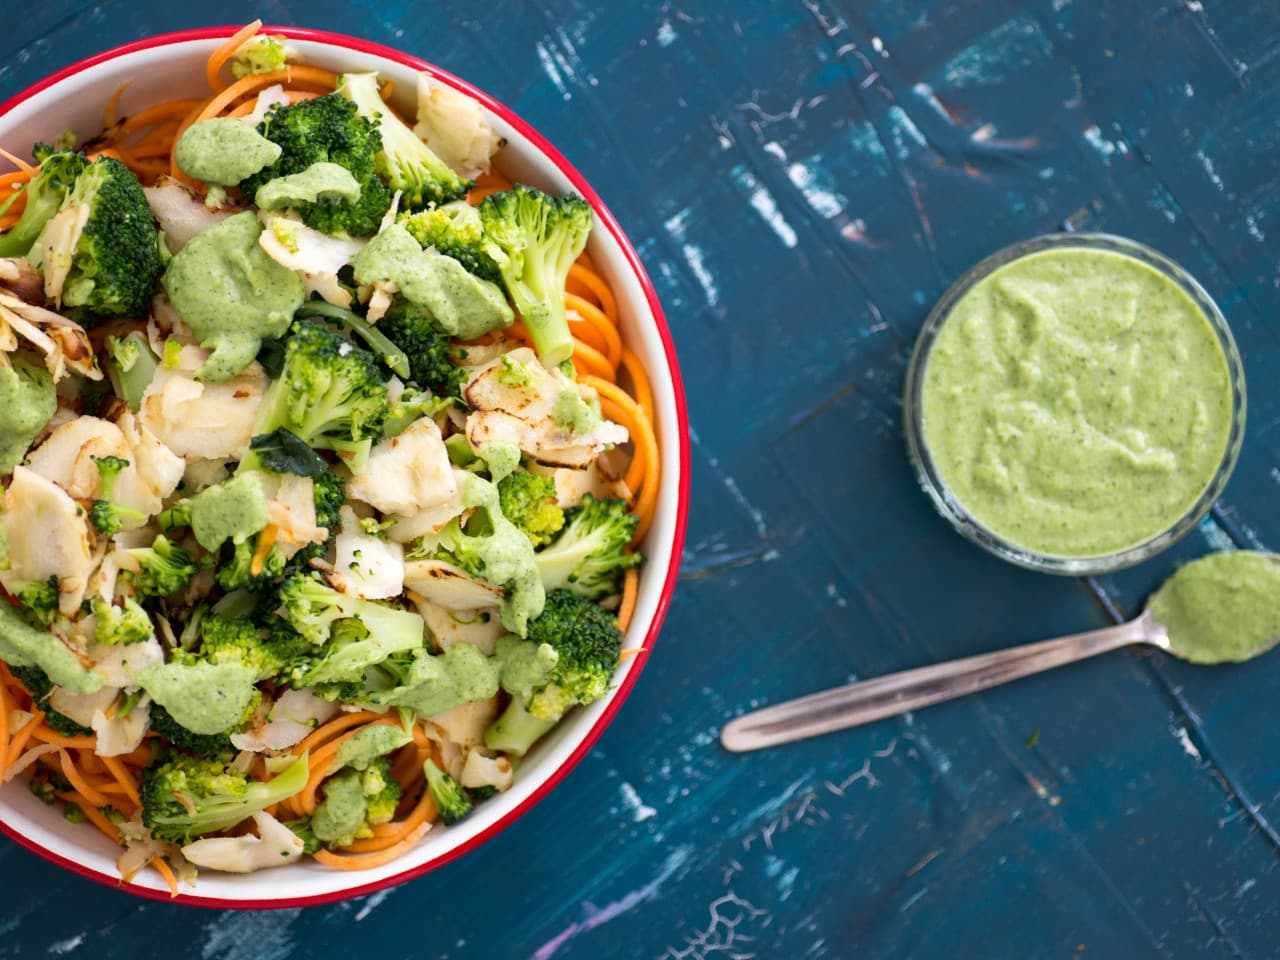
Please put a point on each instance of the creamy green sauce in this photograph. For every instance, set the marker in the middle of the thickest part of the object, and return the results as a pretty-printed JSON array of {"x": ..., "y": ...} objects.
[
  {"x": 461, "y": 303},
  {"x": 28, "y": 401},
  {"x": 1076, "y": 402},
  {"x": 525, "y": 665},
  {"x": 574, "y": 413},
  {"x": 514, "y": 373},
  {"x": 205, "y": 698},
  {"x": 508, "y": 558},
  {"x": 368, "y": 745},
  {"x": 232, "y": 510},
  {"x": 231, "y": 294},
  {"x": 22, "y": 645},
  {"x": 1221, "y": 608},
  {"x": 343, "y": 810},
  {"x": 319, "y": 181},
  {"x": 437, "y": 683},
  {"x": 223, "y": 151},
  {"x": 501, "y": 456}
]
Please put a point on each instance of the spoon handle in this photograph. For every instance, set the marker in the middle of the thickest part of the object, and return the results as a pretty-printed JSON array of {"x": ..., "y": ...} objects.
[{"x": 887, "y": 696}]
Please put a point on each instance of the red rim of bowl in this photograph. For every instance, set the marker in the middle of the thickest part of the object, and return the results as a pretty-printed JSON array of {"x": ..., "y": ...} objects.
[{"x": 633, "y": 261}]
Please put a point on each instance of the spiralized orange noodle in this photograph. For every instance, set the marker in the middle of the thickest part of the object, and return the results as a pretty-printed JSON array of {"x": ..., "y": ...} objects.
[{"x": 61, "y": 758}]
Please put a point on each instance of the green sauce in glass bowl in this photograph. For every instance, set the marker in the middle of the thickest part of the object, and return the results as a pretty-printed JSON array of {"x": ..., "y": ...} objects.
[{"x": 1075, "y": 403}]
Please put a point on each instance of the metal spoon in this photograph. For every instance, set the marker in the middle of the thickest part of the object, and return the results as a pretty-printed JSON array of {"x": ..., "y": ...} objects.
[{"x": 867, "y": 700}]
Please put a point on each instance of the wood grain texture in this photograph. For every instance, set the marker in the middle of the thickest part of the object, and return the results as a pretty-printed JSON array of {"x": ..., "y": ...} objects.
[{"x": 803, "y": 179}]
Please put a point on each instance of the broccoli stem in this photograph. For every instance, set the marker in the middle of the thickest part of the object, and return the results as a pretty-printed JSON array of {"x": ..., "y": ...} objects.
[
  {"x": 131, "y": 366},
  {"x": 516, "y": 730},
  {"x": 549, "y": 332}
]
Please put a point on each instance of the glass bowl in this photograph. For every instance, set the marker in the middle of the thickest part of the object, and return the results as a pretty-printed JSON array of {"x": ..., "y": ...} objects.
[{"x": 945, "y": 501}]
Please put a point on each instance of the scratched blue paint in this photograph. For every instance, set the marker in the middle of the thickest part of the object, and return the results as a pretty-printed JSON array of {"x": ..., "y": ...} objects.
[{"x": 1120, "y": 808}]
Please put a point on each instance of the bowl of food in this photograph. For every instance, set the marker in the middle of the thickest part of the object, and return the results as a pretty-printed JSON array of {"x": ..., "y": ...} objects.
[
  {"x": 345, "y": 467},
  {"x": 1075, "y": 403}
]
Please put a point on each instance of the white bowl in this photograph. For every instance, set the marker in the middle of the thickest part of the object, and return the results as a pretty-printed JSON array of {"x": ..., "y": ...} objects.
[{"x": 172, "y": 65}]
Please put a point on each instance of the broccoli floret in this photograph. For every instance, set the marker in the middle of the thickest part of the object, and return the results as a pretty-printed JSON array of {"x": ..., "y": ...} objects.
[
  {"x": 130, "y": 367},
  {"x": 190, "y": 796},
  {"x": 529, "y": 501},
  {"x": 353, "y": 634},
  {"x": 72, "y": 813},
  {"x": 260, "y": 54},
  {"x": 312, "y": 608},
  {"x": 431, "y": 362},
  {"x": 451, "y": 800},
  {"x": 38, "y": 600},
  {"x": 46, "y": 785},
  {"x": 534, "y": 239},
  {"x": 45, "y": 195},
  {"x": 454, "y": 229},
  {"x": 28, "y": 400},
  {"x": 330, "y": 395},
  {"x": 164, "y": 568},
  {"x": 404, "y": 160},
  {"x": 116, "y": 257},
  {"x": 392, "y": 357},
  {"x": 40, "y": 686},
  {"x": 587, "y": 557},
  {"x": 43, "y": 790},
  {"x": 413, "y": 405},
  {"x": 245, "y": 642},
  {"x": 377, "y": 528},
  {"x": 587, "y": 642},
  {"x": 108, "y": 469},
  {"x": 328, "y": 490},
  {"x": 302, "y": 828},
  {"x": 64, "y": 725},
  {"x": 235, "y": 566},
  {"x": 206, "y": 744},
  {"x": 382, "y": 792},
  {"x": 329, "y": 493},
  {"x": 126, "y": 623},
  {"x": 175, "y": 517},
  {"x": 107, "y": 517},
  {"x": 327, "y": 129}
]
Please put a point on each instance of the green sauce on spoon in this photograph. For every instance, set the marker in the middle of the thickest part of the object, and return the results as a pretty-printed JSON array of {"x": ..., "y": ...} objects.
[{"x": 1223, "y": 608}]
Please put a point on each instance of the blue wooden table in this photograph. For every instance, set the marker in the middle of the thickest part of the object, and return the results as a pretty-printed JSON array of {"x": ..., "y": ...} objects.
[{"x": 803, "y": 179}]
